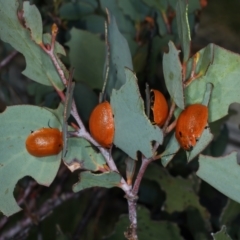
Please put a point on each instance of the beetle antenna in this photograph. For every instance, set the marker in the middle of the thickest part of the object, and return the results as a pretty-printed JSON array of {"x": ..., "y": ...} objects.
[{"x": 49, "y": 123}]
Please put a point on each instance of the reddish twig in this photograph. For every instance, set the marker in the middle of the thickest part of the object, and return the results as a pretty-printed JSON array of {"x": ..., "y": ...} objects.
[
  {"x": 170, "y": 114},
  {"x": 165, "y": 19}
]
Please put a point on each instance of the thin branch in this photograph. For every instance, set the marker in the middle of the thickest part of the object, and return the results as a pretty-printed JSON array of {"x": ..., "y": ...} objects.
[
  {"x": 25, "y": 224},
  {"x": 165, "y": 19},
  {"x": 82, "y": 132},
  {"x": 132, "y": 200},
  {"x": 193, "y": 75},
  {"x": 171, "y": 127},
  {"x": 7, "y": 60},
  {"x": 97, "y": 196},
  {"x": 170, "y": 114},
  {"x": 145, "y": 163}
]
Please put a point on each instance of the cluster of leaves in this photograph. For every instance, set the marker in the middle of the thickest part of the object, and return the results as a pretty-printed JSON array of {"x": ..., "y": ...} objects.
[{"x": 133, "y": 42}]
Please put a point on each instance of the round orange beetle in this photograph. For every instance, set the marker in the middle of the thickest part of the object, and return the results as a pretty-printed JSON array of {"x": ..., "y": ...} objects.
[
  {"x": 44, "y": 142},
  {"x": 190, "y": 125},
  {"x": 101, "y": 124},
  {"x": 159, "y": 108}
]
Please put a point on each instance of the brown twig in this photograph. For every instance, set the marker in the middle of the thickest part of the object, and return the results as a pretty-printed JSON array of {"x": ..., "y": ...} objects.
[
  {"x": 170, "y": 114},
  {"x": 193, "y": 74},
  {"x": 131, "y": 233},
  {"x": 7, "y": 60},
  {"x": 165, "y": 19},
  {"x": 82, "y": 132},
  {"x": 25, "y": 224},
  {"x": 97, "y": 196}
]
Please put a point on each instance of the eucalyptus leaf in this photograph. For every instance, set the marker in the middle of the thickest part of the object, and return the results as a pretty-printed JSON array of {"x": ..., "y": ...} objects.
[
  {"x": 88, "y": 179},
  {"x": 81, "y": 155},
  {"x": 193, "y": 5},
  {"x": 202, "y": 143},
  {"x": 17, "y": 122},
  {"x": 129, "y": 8},
  {"x": 133, "y": 130},
  {"x": 75, "y": 10},
  {"x": 230, "y": 212},
  {"x": 196, "y": 224},
  {"x": 180, "y": 192},
  {"x": 183, "y": 28},
  {"x": 172, "y": 71},
  {"x": 125, "y": 25},
  {"x": 87, "y": 57},
  {"x": 171, "y": 149},
  {"x": 222, "y": 234},
  {"x": 223, "y": 73},
  {"x": 221, "y": 173},
  {"x": 117, "y": 59},
  {"x": 160, "y": 5},
  {"x": 31, "y": 12},
  {"x": 203, "y": 60},
  {"x": 81, "y": 93},
  {"x": 39, "y": 66},
  {"x": 94, "y": 23},
  {"x": 147, "y": 228}
]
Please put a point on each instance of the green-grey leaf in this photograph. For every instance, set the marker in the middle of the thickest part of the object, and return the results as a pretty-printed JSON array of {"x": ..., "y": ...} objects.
[
  {"x": 147, "y": 228},
  {"x": 221, "y": 235},
  {"x": 94, "y": 23},
  {"x": 64, "y": 138},
  {"x": 81, "y": 93},
  {"x": 161, "y": 24},
  {"x": 68, "y": 99},
  {"x": 58, "y": 113},
  {"x": 58, "y": 48},
  {"x": 140, "y": 58},
  {"x": 75, "y": 10},
  {"x": 124, "y": 23},
  {"x": 119, "y": 57},
  {"x": 202, "y": 143},
  {"x": 183, "y": 28},
  {"x": 33, "y": 21},
  {"x": 230, "y": 212},
  {"x": 193, "y": 5},
  {"x": 136, "y": 12},
  {"x": 39, "y": 66},
  {"x": 87, "y": 57},
  {"x": 133, "y": 130},
  {"x": 160, "y": 5},
  {"x": 38, "y": 91},
  {"x": 207, "y": 94},
  {"x": 222, "y": 173},
  {"x": 180, "y": 192},
  {"x": 224, "y": 74},
  {"x": 172, "y": 71},
  {"x": 196, "y": 224},
  {"x": 129, "y": 9},
  {"x": 17, "y": 122},
  {"x": 66, "y": 114},
  {"x": 88, "y": 179},
  {"x": 171, "y": 148},
  {"x": 81, "y": 155},
  {"x": 205, "y": 58}
]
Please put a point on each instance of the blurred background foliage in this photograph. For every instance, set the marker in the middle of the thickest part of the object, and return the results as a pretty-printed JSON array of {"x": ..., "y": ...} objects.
[{"x": 173, "y": 202}]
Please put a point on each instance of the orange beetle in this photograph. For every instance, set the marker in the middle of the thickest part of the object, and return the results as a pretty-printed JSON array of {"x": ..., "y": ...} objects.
[
  {"x": 44, "y": 142},
  {"x": 101, "y": 124},
  {"x": 190, "y": 125},
  {"x": 159, "y": 108}
]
